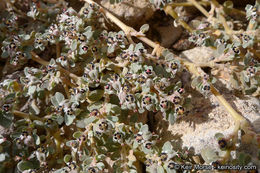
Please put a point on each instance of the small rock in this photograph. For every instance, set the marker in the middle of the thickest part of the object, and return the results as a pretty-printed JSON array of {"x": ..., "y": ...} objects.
[
  {"x": 132, "y": 12},
  {"x": 198, "y": 54}
]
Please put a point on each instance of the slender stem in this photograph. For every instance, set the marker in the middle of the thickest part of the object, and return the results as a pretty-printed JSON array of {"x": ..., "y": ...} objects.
[
  {"x": 194, "y": 69},
  {"x": 58, "y": 140},
  {"x": 228, "y": 107},
  {"x": 202, "y": 10},
  {"x": 169, "y": 10},
  {"x": 67, "y": 91},
  {"x": 57, "y": 49},
  {"x": 36, "y": 58},
  {"x": 187, "y": 4},
  {"x": 26, "y": 115},
  {"x": 124, "y": 157}
]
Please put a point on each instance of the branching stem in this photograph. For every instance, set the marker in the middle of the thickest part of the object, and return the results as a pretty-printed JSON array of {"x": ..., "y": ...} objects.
[
  {"x": 36, "y": 58},
  {"x": 194, "y": 69}
]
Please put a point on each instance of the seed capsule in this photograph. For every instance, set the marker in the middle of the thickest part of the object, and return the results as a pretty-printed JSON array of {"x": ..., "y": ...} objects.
[
  {"x": 41, "y": 149},
  {"x": 164, "y": 104},
  {"x": 24, "y": 133},
  {"x": 94, "y": 112},
  {"x": 179, "y": 110},
  {"x": 176, "y": 100},
  {"x": 59, "y": 108},
  {"x": 129, "y": 98},
  {"x": 148, "y": 71},
  {"x": 139, "y": 137},
  {"x": 82, "y": 90},
  {"x": 50, "y": 68},
  {"x": 81, "y": 38},
  {"x": 86, "y": 11},
  {"x": 206, "y": 87},
  {"x": 72, "y": 165},
  {"x": 69, "y": 111},
  {"x": 85, "y": 48},
  {"x": 202, "y": 35},
  {"x": 119, "y": 37},
  {"x": 141, "y": 79},
  {"x": 173, "y": 66},
  {"x": 147, "y": 100},
  {"x": 6, "y": 107},
  {"x": 12, "y": 46},
  {"x": 117, "y": 136},
  {"x": 246, "y": 38},
  {"x": 94, "y": 49},
  {"x": 148, "y": 145},
  {"x": 180, "y": 90},
  {"x": 18, "y": 141},
  {"x": 49, "y": 121},
  {"x": 171, "y": 165},
  {"x": 126, "y": 88},
  {"x": 163, "y": 157},
  {"x": 215, "y": 164},
  {"x": 115, "y": 77},
  {"x": 251, "y": 71},
  {"x": 91, "y": 170},
  {"x": 108, "y": 87},
  {"x": 110, "y": 40},
  {"x": 236, "y": 50},
  {"x": 222, "y": 143},
  {"x": 134, "y": 58},
  {"x": 8, "y": 22},
  {"x": 103, "y": 126},
  {"x": 32, "y": 171},
  {"x": 148, "y": 162},
  {"x": 222, "y": 41},
  {"x": 85, "y": 75}
]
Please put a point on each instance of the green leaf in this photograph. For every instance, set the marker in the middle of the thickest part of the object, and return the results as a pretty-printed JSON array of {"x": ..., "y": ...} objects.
[
  {"x": 219, "y": 136},
  {"x": 59, "y": 119},
  {"x": 54, "y": 102},
  {"x": 160, "y": 169},
  {"x": 25, "y": 165},
  {"x": 59, "y": 97},
  {"x": 135, "y": 67},
  {"x": 35, "y": 108},
  {"x": 69, "y": 119},
  {"x": 67, "y": 158},
  {"x": 4, "y": 54},
  {"x": 144, "y": 128},
  {"x": 113, "y": 118},
  {"x": 209, "y": 155},
  {"x": 77, "y": 134},
  {"x": 5, "y": 119},
  {"x": 111, "y": 49},
  {"x": 144, "y": 28},
  {"x": 31, "y": 90},
  {"x": 36, "y": 139},
  {"x": 74, "y": 45},
  {"x": 96, "y": 95},
  {"x": 195, "y": 82},
  {"x": 167, "y": 147},
  {"x": 228, "y": 4},
  {"x": 89, "y": 120},
  {"x": 100, "y": 165},
  {"x": 169, "y": 57},
  {"x": 172, "y": 117},
  {"x": 2, "y": 157}
]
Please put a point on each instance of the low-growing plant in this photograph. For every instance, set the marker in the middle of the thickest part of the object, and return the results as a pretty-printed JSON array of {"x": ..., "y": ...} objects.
[{"x": 82, "y": 106}]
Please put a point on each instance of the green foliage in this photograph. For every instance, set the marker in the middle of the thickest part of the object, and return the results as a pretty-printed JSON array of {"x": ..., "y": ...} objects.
[{"x": 75, "y": 123}]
